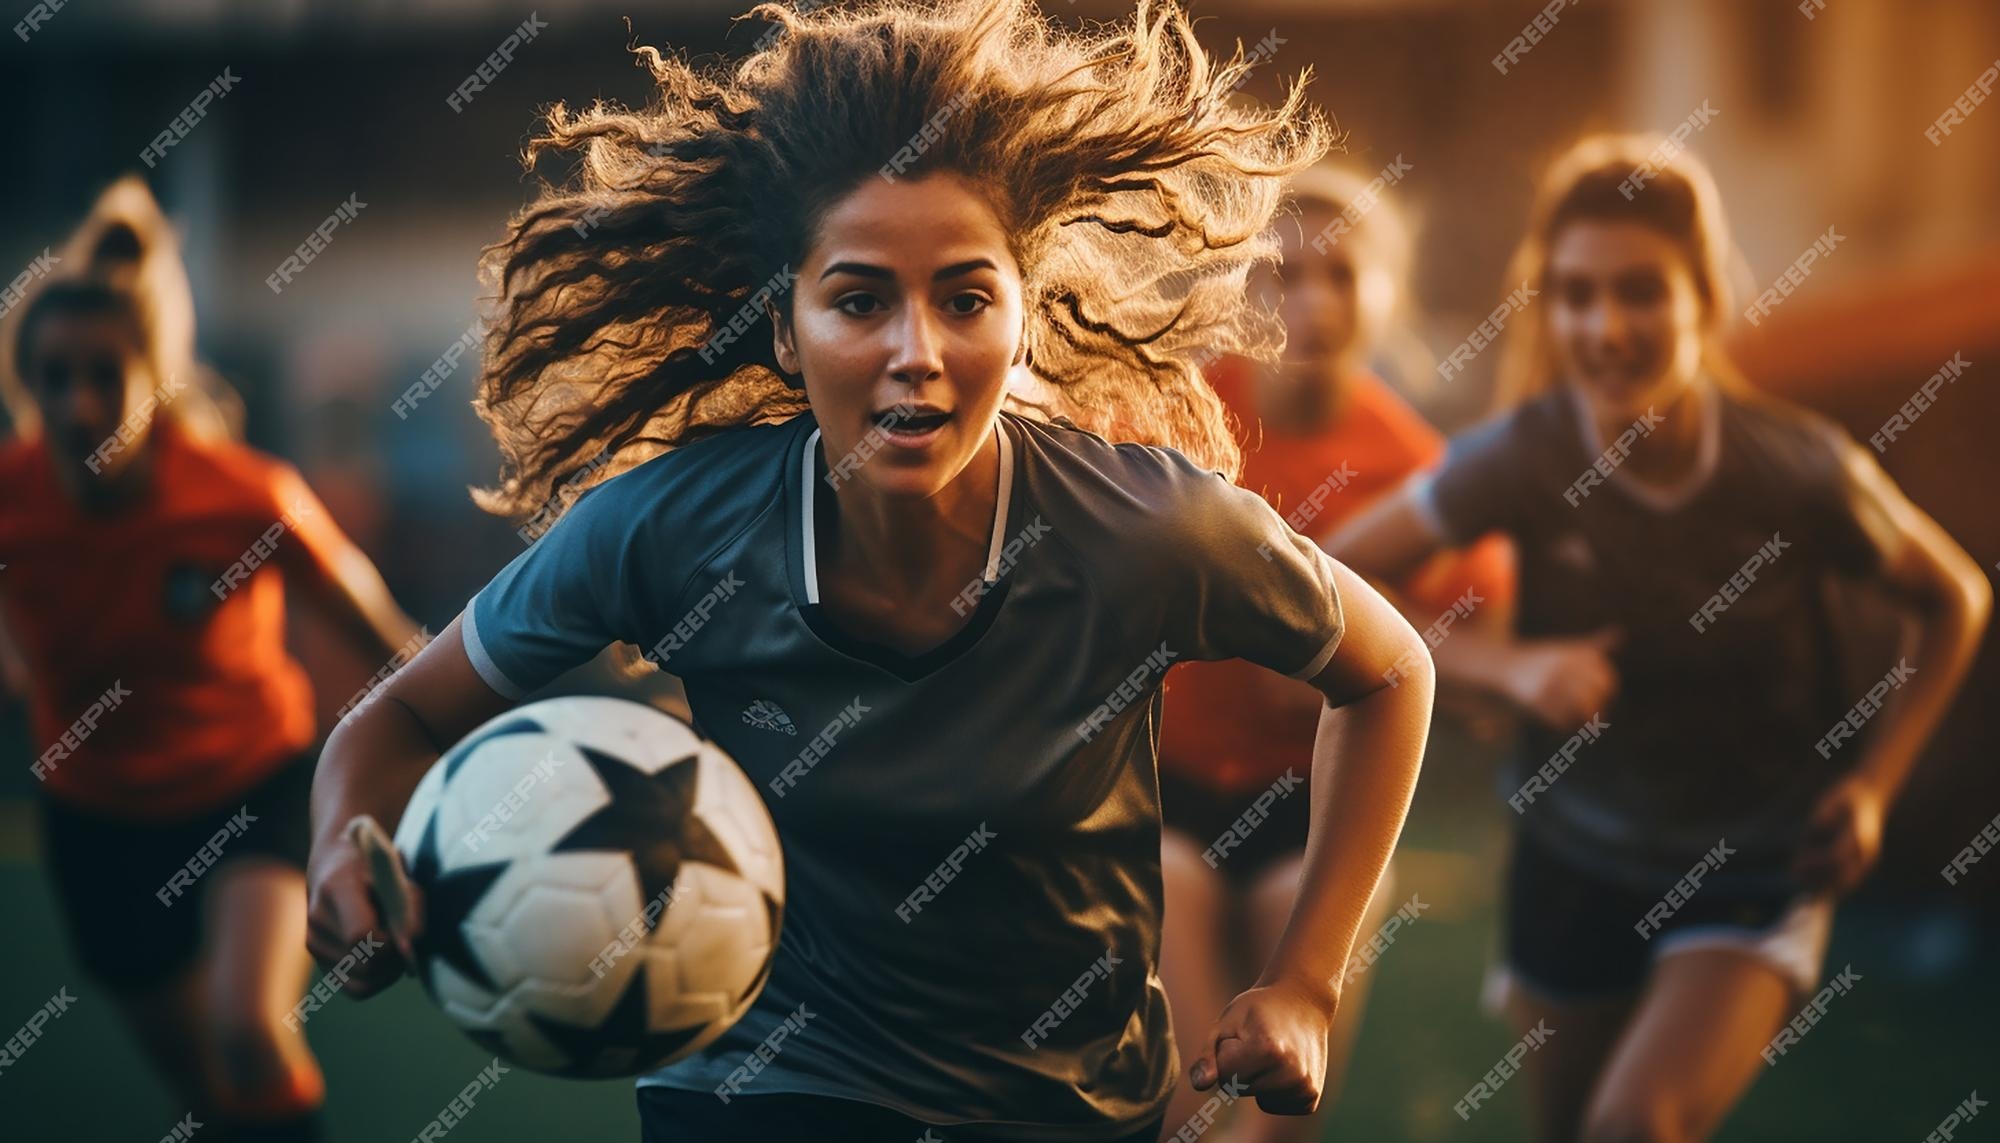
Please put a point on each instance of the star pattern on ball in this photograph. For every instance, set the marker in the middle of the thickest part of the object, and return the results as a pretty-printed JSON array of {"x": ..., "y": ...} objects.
[
  {"x": 651, "y": 818},
  {"x": 470, "y": 746},
  {"x": 448, "y": 901},
  {"x": 625, "y": 1030}
]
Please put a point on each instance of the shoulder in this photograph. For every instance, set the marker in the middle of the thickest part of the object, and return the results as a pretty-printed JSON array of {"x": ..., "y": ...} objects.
[
  {"x": 1776, "y": 432},
  {"x": 1379, "y": 410},
  {"x": 682, "y": 504},
  {"x": 26, "y": 480},
  {"x": 1137, "y": 512},
  {"x": 1536, "y": 427},
  {"x": 1112, "y": 481},
  {"x": 212, "y": 472},
  {"x": 726, "y": 475},
  {"x": 21, "y": 461}
]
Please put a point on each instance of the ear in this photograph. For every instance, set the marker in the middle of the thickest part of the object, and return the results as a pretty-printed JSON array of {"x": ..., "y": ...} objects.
[{"x": 781, "y": 339}]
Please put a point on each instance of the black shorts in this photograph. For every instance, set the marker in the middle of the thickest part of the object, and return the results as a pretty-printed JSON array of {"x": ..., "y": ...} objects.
[
  {"x": 671, "y": 1115},
  {"x": 132, "y": 923},
  {"x": 1206, "y": 816},
  {"x": 1571, "y": 935}
]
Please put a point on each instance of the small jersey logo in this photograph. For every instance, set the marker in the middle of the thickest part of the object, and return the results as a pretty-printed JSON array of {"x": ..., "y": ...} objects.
[
  {"x": 1573, "y": 551},
  {"x": 767, "y": 715},
  {"x": 185, "y": 597}
]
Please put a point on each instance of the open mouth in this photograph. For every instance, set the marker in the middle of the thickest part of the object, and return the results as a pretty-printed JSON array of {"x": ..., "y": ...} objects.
[{"x": 910, "y": 425}]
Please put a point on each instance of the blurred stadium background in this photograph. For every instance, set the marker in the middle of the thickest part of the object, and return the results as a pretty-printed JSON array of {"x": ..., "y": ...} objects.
[{"x": 1820, "y": 120}]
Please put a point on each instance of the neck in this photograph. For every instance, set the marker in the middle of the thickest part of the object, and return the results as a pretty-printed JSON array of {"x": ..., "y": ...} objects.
[
  {"x": 111, "y": 491},
  {"x": 1304, "y": 397},
  {"x": 910, "y": 546},
  {"x": 1671, "y": 450}
]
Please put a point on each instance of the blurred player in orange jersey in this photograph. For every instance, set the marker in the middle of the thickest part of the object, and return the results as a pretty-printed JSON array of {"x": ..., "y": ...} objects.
[
  {"x": 1322, "y": 435},
  {"x": 142, "y": 613}
]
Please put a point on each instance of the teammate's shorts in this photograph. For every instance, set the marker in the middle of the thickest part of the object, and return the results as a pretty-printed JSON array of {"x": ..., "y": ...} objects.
[
  {"x": 132, "y": 922},
  {"x": 671, "y": 1115},
  {"x": 1207, "y": 816},
  {"x": 1570, "y": 935}
]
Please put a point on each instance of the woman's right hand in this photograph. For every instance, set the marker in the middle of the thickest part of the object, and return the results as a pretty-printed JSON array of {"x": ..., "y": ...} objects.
[
  {"x": 343, "y": 923},
  {"x": 1564, "y": 682}
]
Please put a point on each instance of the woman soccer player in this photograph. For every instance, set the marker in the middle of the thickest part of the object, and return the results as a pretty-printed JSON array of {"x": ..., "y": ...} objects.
[
  {"x": 926, "y": 196},
  {"x": 146, "y": 561},
  {"x": 1324, "y": 436},
  {"x": 1675, "y": 532}
]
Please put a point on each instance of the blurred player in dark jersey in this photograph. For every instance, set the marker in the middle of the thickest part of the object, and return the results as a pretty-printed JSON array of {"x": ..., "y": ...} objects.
[
  {"x": 1692, "y": 799},
  {"x": 147, "y": 557},
  {"x": 1322, "y": 436}
]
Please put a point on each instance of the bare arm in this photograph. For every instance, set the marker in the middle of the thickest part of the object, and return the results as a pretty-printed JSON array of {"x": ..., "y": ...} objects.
[
  {"x": 371, "y": 763},
  {"x": 1563, "y": 682},
  {"x": 13, "y": 662},
  {"x": 1951, "y": 602},
  {"x": 350, "y": 592},
  {"x": 1273, "y": 1038},
  {"x": 1364, "y": 772},
  {"x": 1386, "y": 542}
]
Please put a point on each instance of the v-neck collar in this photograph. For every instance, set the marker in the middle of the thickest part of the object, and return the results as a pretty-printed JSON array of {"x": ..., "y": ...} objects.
[
  {"x": 803, "y": 538},
  {"x": 1707, "y": 456}
]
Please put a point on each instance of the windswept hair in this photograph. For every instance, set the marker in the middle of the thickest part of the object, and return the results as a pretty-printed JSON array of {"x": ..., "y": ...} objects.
[
  {"x": 1594, "y": 181},
  {"x": 123, "y": 258},
  {"x": 1136, "y": 193}
]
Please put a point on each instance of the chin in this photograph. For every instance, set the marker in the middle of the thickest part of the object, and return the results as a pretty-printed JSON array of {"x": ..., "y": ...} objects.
[
  {"x": 1630, "y": 399},
  {"x": 913, "y": 481}
]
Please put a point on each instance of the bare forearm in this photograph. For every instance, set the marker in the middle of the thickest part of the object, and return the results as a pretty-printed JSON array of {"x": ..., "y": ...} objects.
[
  {"x": 371, "y": 763},
  {"x": 1938, "y": 650},
  {"x": 1365, "y": 763},
  {"x": 1478, "y": 658}
]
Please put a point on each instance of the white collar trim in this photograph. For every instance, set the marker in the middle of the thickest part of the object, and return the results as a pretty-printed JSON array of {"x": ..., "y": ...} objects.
[
  {"x": 809, "y": 517},
  {"x": 1708, "y": 452}
]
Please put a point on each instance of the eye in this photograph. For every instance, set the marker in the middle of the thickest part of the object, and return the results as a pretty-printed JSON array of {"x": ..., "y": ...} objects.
[
  {"x": 980, "y": 301},
  {"x": 1575, "y": 293},
  {"x": 843, "y": 304}
]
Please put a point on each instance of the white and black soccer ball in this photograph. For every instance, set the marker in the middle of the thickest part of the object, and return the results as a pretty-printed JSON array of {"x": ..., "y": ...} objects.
[{"x": 602, "y": 887}]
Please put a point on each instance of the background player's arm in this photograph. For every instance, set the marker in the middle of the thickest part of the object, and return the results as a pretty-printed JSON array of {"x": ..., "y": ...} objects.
[
  {"x": 1951, "y": 601},
  {"x": 371, "y": 763},
  {"x": 336, "y": 577},
  {"x": 1564, "y": 682},
  {"x": 13, "y": 662}
]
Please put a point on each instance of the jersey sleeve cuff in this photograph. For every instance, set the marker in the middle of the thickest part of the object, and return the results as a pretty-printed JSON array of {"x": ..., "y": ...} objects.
[
  {"x": 482, "y": 662},
  {"x": 1319, "y": 661},
  {"x": 1423, "y": 497}
]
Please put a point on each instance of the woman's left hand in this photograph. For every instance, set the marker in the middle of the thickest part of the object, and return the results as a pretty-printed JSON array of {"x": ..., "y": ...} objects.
[
  {"x": 1271, "y": 1043},
  {"x": 1843, "y": 838}
]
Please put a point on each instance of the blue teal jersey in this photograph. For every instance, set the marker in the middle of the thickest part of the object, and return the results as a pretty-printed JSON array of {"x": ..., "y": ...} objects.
[{"x": 972, "y": 834}]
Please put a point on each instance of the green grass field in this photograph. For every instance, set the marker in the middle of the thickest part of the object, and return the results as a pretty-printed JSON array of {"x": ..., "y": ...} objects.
[{"x": 1888, "y": 1062}]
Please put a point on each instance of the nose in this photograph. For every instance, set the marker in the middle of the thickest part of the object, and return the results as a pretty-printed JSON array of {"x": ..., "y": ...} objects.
[
  {"x": 918, "y": 355},
  {"x": 1608, "y": 324}
]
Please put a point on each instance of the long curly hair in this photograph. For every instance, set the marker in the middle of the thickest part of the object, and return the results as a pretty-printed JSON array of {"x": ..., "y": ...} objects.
[{"x": 1136, "y": 192}]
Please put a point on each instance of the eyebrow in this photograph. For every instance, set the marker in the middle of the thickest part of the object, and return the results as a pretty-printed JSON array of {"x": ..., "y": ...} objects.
[{"x": 864, "y": 270}]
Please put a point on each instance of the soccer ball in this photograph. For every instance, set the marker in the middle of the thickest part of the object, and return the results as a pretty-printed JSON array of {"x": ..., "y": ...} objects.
[{"x": 602, "y": 888}]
